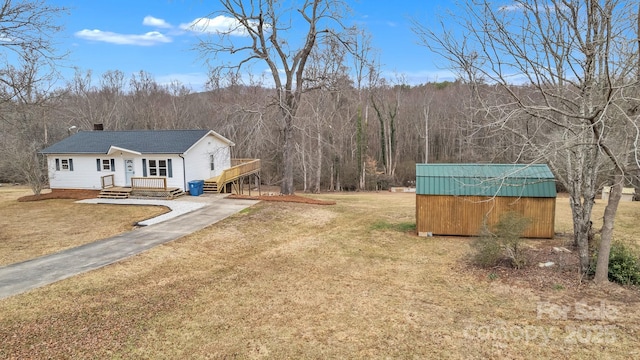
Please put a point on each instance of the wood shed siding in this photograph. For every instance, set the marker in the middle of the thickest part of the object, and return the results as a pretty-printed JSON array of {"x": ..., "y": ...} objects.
[{"x": 464, "y": 215}]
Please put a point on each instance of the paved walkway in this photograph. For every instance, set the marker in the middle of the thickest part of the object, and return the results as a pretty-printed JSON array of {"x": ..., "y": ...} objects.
[{"x": 20, "y": 277}]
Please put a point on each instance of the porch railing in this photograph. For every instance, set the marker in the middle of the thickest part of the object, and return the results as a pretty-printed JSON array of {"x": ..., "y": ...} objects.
[
  {"x": 107, "y": 181},
  {"x": 239, "y": 167},
  {"x": 138, "y": 183}
]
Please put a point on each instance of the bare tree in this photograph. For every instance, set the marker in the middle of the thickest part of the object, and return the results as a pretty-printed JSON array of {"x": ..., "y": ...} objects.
[
  {"x": 565, "y": 66},
  {"x": 361, "y": 51},
  {"x": 26, "y": 117},
  {"x": 27, "y": 31},
  {"x": 264, "y": 31}
]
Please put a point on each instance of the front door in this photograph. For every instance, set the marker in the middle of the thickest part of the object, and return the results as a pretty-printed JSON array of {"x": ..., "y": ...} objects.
[{"x": 129, "y": 171}]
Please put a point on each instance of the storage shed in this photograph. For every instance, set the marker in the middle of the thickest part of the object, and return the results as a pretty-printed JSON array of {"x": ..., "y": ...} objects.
[
  {"x": 456, "y": 199},
  {"x": 627, "y": 193}
]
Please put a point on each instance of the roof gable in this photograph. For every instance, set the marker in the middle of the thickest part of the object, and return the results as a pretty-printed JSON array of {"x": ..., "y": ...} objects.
[
  {"x": 510, "y": 180},
  {"x": 140, "y": 141}
]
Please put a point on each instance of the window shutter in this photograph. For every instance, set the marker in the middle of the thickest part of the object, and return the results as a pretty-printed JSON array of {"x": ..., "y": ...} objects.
[
  {"x": 144, "y": 167},
  {"x": 70, "y": 164},
  {"x": 57, "y": 164},
  {"x": 169, "y": 168},
  {"x": 98, "y": 164},
  {"x": 113, "y": 164}
]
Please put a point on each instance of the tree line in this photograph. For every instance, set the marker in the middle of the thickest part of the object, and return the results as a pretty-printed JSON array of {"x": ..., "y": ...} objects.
[{"x": 343, "y": 140}]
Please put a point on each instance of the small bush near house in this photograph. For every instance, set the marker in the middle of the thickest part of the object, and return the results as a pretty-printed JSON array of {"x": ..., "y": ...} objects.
[
  {"x": 624, "y": 265},
  {"x": 503, "y": 243}
]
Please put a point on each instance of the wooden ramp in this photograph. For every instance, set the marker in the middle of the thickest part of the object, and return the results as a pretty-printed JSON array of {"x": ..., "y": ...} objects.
[{"x": 241, "y": 169}]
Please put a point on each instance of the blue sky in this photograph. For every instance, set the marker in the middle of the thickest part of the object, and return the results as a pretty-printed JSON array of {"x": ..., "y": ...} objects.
[{"x": 154, "y": 36}]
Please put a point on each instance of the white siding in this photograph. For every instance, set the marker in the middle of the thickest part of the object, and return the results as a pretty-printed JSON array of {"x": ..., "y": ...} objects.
[
  {"x": 198, "y": 158},
  {"x": 85, "y": 174},
  {"x": 176, "y": 179}
]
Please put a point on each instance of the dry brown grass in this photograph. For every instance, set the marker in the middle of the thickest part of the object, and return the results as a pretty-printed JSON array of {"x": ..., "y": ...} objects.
[
  {"x": 35, "y": 228},
  {"x": 287, "y": 280},
  {"x": 626, "y": 225}
]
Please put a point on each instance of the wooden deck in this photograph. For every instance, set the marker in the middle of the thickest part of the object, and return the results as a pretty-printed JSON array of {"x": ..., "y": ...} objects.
[{"x": 241, "y": 168}]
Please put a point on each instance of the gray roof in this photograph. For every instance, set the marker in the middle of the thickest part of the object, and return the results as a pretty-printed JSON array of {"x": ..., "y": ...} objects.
[{"x": 142, "y": 141}]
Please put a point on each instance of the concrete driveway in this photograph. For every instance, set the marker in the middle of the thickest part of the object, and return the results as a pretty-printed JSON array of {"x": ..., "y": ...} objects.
[{"x": 34, "y": 273}]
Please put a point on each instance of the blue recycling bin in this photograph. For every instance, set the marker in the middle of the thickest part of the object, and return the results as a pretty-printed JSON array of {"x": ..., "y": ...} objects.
[{"x": 196, "y": 187}]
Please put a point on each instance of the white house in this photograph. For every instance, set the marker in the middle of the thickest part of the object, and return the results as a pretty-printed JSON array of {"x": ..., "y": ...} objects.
[{"x": 83, "y": 159}]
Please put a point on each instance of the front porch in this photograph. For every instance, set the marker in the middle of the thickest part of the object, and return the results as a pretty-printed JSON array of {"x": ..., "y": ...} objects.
[{"x": 141, "y": 187}]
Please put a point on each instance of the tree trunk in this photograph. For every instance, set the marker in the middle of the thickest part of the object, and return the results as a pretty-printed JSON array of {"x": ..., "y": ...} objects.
[
  {"x": 581, "y": 213},
  {"x": 425, "y": 110},
  {"x": 316, "y": 188},
  {"x": 302, "y": 150},
  {"x": 286, "y": 188},
  {"x": 602, "y": 266}
]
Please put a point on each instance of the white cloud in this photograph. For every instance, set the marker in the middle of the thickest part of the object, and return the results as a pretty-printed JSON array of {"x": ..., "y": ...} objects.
[
  {"x": 521, "y": 7},
  {"x": 148, "y": 39},
  {"x": 153, "y": 21},
  {"x": 218, "y": 25},
  {"x": 513, "y": 7}
]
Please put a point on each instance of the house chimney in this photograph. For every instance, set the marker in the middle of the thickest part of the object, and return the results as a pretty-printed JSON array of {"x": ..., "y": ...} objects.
[{"x": 98, "y": 127}]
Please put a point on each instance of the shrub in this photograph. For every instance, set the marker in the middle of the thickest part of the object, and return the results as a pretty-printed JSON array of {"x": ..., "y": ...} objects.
[
  {"x": 503, "y": 243},
  {"x": 488, "y": 249},
  {"x": 624, "y": 265}
]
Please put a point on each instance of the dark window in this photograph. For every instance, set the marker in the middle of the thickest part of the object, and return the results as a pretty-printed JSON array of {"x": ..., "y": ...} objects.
[
  {"x": 64, "y": 164},
  {"x": 160, "y": 168},
  {"x": 153, "y": 168}
]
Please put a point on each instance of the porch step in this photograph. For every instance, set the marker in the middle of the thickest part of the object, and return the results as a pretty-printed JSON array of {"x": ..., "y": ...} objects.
[
  {"x": 114, "y": 193},
  {"x": 174, "y": 193},
  {"x": 210, "y": 187},
  {"x": 167, "y": 194},
  {"x": 126, "y": 193}
]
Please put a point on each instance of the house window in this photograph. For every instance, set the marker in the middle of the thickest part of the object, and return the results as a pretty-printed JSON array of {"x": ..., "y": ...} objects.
[
  {"x": 211, "y": 161},
  {"x": 64, "y": 164},
  {"x": 157, "y": 168},
  {"x": 106, "y": 164}
]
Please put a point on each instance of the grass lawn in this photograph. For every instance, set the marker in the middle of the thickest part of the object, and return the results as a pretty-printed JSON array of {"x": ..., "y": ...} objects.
[
  {"x": 284, "y": 280},
  {"x": 32, "y": 229}
]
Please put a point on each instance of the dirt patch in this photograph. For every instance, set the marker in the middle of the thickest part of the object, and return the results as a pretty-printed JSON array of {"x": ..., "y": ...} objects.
[
  {"x": 284, "y": 198},
  {"x": 552, "y": 265},
  {"x": 73, "y": 194}
]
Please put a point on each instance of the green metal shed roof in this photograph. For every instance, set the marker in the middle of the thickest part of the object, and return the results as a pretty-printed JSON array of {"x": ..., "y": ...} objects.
[{"x": 509, "y": 180}]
